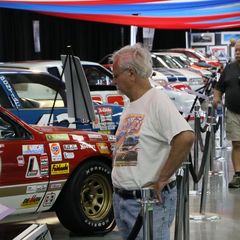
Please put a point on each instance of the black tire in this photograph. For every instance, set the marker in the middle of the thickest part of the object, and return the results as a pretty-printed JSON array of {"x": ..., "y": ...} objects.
[{"x": 85, "y": 204}]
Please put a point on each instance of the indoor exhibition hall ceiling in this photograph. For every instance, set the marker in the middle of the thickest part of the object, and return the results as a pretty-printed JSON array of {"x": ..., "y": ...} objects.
[{"x": 165, "y": 14}]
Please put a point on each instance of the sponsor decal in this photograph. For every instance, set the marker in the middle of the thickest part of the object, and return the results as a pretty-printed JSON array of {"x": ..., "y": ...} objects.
[
  {"x": 79, "y": 138},
  {"x": 57, "y": 137},
  {"x": 20, "y": 160},
  {"x": 2, "y": 145},
  {"x": 55, "y": 151},
  {"x": 56, "y": 186},
  {"x": 10, "y": 91},
  {"x": 32, "y": 168},
  {"x": 111, "y": 138},
  {"x": 59, "y": 168},
  {"x": 44, "y": 169},
  {"x": 30, "y": 202},
  {"x": 68, "y": 155},
  {"x": 32, "y": 149},
  {"x": 113, "y": 147},
  {"x": 49, "y": 199},
  {"x": 36, "y": 188},
  {"x": 105, "y": 114},
  {"x": 105, "y": 126},
  {"x": 103, "y": 148},
  {"x": 103, "y": 119},
  {"x": 84, "y": 146},
  {"x": 94, "y": 136},
  {"x": 70, "y": 147},
  {"x": 104, "y": 131}
]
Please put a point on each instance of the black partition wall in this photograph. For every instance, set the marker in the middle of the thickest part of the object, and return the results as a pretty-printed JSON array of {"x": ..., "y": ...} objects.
[{"x": 89, "y": 40}]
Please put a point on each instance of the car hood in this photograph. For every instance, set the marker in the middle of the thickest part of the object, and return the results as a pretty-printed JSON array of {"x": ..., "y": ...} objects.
[
  {"x": 62, "y": 133},
  {"x": 187, "y": 73}
]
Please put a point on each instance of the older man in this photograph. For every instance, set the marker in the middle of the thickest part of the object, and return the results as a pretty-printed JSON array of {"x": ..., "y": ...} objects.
[{"x": 153, "y": 139}]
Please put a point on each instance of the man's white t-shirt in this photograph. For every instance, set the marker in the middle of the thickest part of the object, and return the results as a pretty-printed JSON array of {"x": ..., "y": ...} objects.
[{"x": 144, "y": 134}]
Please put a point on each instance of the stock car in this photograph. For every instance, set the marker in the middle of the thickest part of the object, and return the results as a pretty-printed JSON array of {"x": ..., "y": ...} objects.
[
  {"x": 47, "y": 168},
  {"x": 31, "y": 96}
]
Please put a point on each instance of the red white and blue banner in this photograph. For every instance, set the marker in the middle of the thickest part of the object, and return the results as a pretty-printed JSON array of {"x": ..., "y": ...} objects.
[{"x": 165, "y": 14}]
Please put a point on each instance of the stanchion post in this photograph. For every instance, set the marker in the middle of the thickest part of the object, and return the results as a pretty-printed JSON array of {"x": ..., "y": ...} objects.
[
  {"x": 196, "y": 141},
  {"x": 209, "y": 156},
  {"x": 182, "y": 211},
  {"x": 208, "y": 153},
  {"x": 221, "y": 125},
  {"x": 178, "y": 234},
  {"x": 186, "y": 203},
  {"x": 211, "y": 120},
  {"x": 147, "y": 206}
]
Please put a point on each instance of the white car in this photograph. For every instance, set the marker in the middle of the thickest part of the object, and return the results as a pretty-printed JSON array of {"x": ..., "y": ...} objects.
[
  {"x": 100, "y": 82},
  {"x": 161, "y": 61},
  {"x": 183, "y": 62}
]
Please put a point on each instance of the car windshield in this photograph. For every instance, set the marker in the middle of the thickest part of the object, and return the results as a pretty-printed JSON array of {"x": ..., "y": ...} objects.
[
  {"x": 37, "y": 90},
  {"x": 182, "y": 61},
  {"x": 97, "y": 75},
  {"x": 168, "y": 61}
]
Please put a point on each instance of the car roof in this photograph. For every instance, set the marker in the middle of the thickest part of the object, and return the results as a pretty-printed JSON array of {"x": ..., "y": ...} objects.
[
  {"x": 13, "y": 70},
  {"x": 182, "y": 49},
  {"x": 40, "y": 63},
  {"x": 169, "y": 53},
  {"x": 5, "y": 70}
]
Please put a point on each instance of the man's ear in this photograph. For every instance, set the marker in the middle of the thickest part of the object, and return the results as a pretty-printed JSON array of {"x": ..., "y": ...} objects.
[{"x": 132, "y": 73}]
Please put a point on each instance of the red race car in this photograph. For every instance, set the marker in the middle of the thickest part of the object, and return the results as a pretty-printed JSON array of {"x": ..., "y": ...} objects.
[{"x": 55, "y": 168}]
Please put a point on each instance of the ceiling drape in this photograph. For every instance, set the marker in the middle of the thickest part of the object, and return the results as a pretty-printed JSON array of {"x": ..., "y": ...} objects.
[{"x": 165, "y": 14}]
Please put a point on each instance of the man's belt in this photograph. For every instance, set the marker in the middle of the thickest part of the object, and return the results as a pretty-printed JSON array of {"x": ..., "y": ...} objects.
[{"x": 136, "y": 194}]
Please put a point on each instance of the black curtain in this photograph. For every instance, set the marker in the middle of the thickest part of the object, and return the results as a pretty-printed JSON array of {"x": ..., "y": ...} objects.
[
  {"x": 16, "y": 38},
  {"x": 89, "y": 40},
  {"x": 164, "y": 39}
]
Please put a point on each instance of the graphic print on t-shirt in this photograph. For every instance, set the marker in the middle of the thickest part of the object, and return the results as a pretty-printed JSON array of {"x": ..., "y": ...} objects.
[{"x": 127, "y": 140}]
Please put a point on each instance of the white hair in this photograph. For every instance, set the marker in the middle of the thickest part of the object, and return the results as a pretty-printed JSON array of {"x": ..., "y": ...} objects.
[{"x": 135, "y": 57}]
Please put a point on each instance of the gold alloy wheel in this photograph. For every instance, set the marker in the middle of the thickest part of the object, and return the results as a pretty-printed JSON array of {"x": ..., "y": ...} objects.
[{"x": 96, "y": 197}]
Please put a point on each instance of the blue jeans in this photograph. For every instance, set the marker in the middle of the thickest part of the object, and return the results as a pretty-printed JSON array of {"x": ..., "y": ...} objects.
[{"x": 127, "y": 210}]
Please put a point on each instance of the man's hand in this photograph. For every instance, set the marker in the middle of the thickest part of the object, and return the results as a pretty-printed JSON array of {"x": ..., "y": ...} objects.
[
  {"x": 217, "y": 98},
  {"x": 157, "y": 188}
]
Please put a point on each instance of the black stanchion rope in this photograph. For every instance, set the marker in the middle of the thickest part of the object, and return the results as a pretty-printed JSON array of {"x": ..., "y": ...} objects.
[
  {"x": 197, "y": 176},
  {"x": 136, "y": 227}
]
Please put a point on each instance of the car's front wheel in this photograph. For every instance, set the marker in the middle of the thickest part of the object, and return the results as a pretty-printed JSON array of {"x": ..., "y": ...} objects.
[{"x": 85, "y": 205}]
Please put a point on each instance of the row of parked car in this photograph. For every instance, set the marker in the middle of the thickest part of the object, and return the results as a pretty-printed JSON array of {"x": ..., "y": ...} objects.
[
  {"x": 41, "y": 75},
  {"x": 68, "y": 170},
  {"x": 179, "y": 65}
]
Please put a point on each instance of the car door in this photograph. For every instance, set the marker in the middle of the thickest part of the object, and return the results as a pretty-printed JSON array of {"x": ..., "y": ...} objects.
[{"x": 24, "y": 173}]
